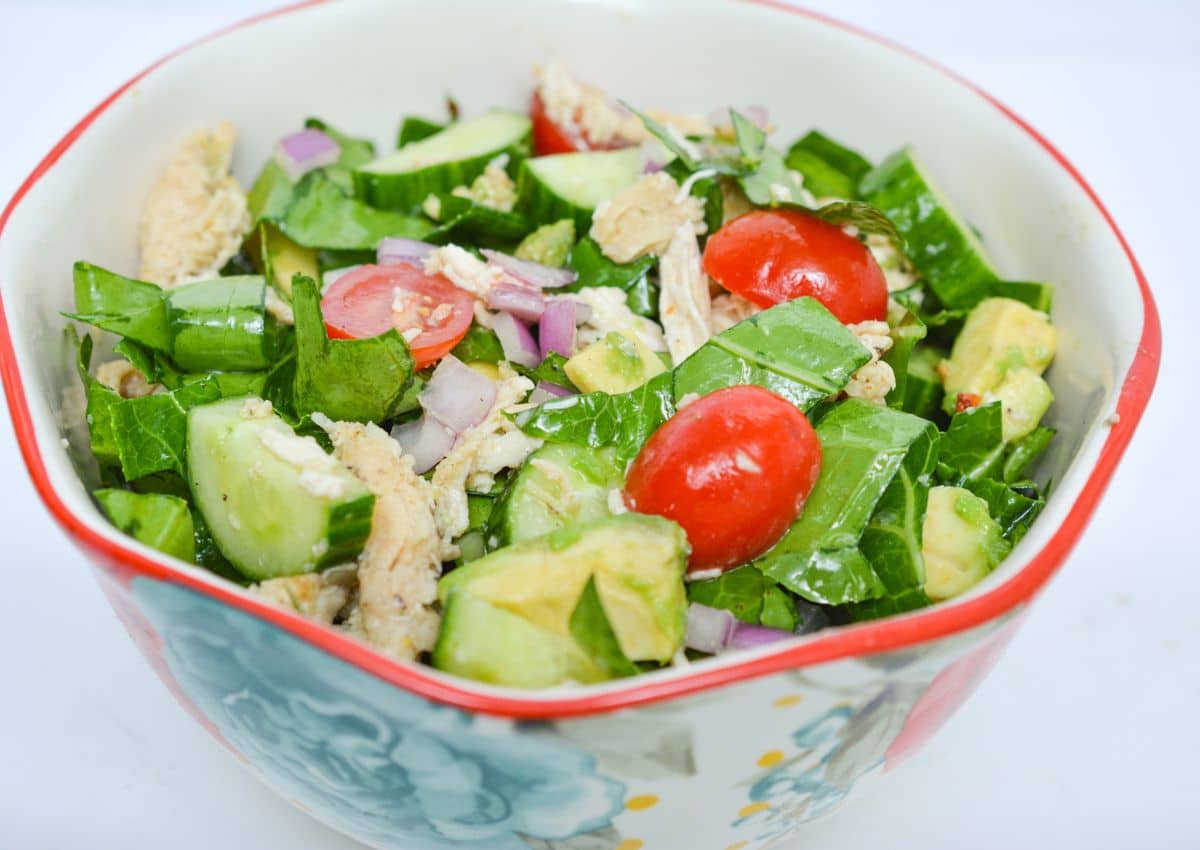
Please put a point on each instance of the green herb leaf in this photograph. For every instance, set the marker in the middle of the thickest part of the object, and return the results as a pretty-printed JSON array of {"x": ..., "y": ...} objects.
[
  {"x": 796, "y": 349},
  {"x": 480, "y": 345},
  {"x": 1024, "y": 452},
  {"x": 863, "y": 447},
  {"x": 151, "y": 432},
  {"x": 778, "y": 609},
  {"x": 128, "y": 307},
  {"x": 550, "y": 370},
  {"x": 361, "y": 380},
  {"x": 593, "y": 632},
  {"x": 354, "y": 152},
  {"x": 1015, "y": 512},
  {"x": 463, "y": 221},
  {"x": 161, "y": 522},
  {"x": 906, "y": 332},
  {"x": 624, "y": 421},
  {"x": 669, "y": 139},
  {"x": 751, "y": 139},
  {"x": 973, "y": 446},
  {"x": 830, "y": 169},
  {"x": 319, "y": 215},
  {"x": 739, "y": 591},
  {"x": 100, "y": 400},
  {"x": 595, "y": 269}
]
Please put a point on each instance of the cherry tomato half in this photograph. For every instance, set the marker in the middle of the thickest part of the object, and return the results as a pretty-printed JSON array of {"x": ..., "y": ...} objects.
[
  {"x": 371, "y": 300},
  {"x": 548, "y": 137},
  {"x": 772, "y": 256},
  {"x": 733, "y": 469}
]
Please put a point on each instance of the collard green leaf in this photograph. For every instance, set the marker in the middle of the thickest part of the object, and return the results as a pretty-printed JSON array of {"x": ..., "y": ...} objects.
[
  {"x": 595, "y": 269},
  {"x": 912, "y": 599},
  {"x": 463, "y": 221},
  {"x": 319, "y": 215},
  {"x": 127, "y": 307},
  {"x": 973, "y": 446},
  {"x": 209, "y": 556},
  {"x": 550, "y": 370},
  {"x": 778, "y": 609},
  {"x": 1013, "y": 510},
  {"x": 161, "y": 522},
  {"x": 739, "y": 591},
  {"x": 796, "y": 349},
  {"x": 906, "y": 332},
  {"x": 361, "y": 380},
  {"x": 414, "y": 128},
  {"x": 592, "y": 631},
  {"x": 863, "y": 447},
  {"x": 154, "y": 365},
  {"x": 354, "y": 152},
  {"x": 100, "y": 400},
  {"x": 273, "y": 191},
  {"x": 480, "y": 345},
  {"x": 151, "y": 432},
  {"x": 1023, "y": 453},
  {"x": 830, "y": 170},
  {"x": 223, "y": 325},
  {"x": 624, "y": 421}
]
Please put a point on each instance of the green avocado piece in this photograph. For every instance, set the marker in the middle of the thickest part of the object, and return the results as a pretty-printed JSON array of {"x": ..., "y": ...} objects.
[
  {"x": 549, "y": 245},
  {"x": 614, "y": 364},
  {"x": 638, "y": 562},
  {"x": 961, "y": 543},
  {"x": 1024, "y": 398},
  {"x": 1000, "y": 334}
]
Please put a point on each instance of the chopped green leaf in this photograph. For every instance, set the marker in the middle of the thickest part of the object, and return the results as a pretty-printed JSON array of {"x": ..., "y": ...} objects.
[
  {"x": 550, "y": 370},
  {"x": 128, "y": 307},
  {"x": 319, "y": 215},
  {"x": 161, "y": 522},
  {"x": 1024, "y": 452},
  {"x": 362, "y": 380},
  {"x": 595, "y": 269},
  {"x": 480, "y": 345},
  {"x": 906, "y": 332},
  {"x": 739, "y": 591},
  {"x": 594, "y": 634},
  {"x": 354, "y": 152},
  {"x": 830, "y": 169},
  {"x": 463, "y": 221},
  {"x": 751, "y": 139},
  {"x": 1013, "y": 510},
  {"x": 151, "y": 431},
  {"x": 100, "y": 400},
  {"x": 669, "y": 139},
  {"x": 973, "y": 446},
  {"x": 796, "y": 349},
  {"x": 778, "y": 609}
]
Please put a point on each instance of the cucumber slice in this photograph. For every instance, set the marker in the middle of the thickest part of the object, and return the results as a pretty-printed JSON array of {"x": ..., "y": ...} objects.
[
  {"x": 489, "y": 644},
  {"x": 274, "y": 502},
  {"x": 558, "y": 485},
  {"x": 453, "y": 157},
  {"x": 572, "y": 185},
  {"x": 945, "y": 251}
]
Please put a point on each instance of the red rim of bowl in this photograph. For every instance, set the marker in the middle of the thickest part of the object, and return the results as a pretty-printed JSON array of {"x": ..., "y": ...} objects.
[{"x": 864, "y": 639}]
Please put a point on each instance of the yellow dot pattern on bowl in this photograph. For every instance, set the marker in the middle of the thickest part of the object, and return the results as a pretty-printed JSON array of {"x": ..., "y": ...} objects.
[
  {"x": 788, "y": 701},
  {"x": 753, "y": 809},
  {"x": 641, "y": 803},
  {"x": 770, "y": 759},
  {"x": 631, "y": 844}
]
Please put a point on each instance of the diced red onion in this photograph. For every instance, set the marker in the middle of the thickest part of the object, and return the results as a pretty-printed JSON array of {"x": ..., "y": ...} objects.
[
  {"x": 457, "y": 396},
  {"x": 516, "y": 340},
  {"x": 748, "y": 637},
  {"x": 708, "y": 629},
  {"x": 394, "y": 249},
  {"x": 524, "y": 302},
  {"x": 556, "y": 331},
  {"x": 546, "y": 391},
  {"x": 301, "y": 152},
  {"x": 533, "y": 274},
  {"x": 426, "y": 439}
]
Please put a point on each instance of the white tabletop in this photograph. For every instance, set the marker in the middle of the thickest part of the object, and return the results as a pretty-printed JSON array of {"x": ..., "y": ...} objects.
[{"x": 1086, "y": 734}]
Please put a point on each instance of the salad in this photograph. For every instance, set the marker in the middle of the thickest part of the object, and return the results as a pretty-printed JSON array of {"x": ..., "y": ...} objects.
[{"x": 571, "y": 394}]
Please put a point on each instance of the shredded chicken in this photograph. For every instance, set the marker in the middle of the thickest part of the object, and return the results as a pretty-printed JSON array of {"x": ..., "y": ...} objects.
[
  {"x": 610, "y": 312},
  {"x": 684, "y": 306},
  {"x": 399, "y": 567},
  {"x": 581, "y": 110},
  {"x": 480, "y": 452},
  {"x": 126, "y": 379},
  {"x": 195, "y": 216},
  {"x": 463, "y": 269},
  {"x": 317, "y": 596},
  {"x": 493, "y": 188},
  {"x": 642, "y": 218},
  {"x": 874, "y": 380},
  {"x": 728, "y": 309}
]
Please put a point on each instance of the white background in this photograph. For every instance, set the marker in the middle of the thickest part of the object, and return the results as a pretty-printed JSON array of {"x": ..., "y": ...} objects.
[{"x": 1085, "y": 736}]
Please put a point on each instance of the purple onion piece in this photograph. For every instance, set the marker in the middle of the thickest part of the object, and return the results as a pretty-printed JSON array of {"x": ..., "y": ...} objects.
[
  {"x": 516, "y": 340},
  {"x": 708, "y": 629},
  {"x": 394, "y": 249},
  {"x": 301, "y": 152},
  {"x": 530, "y": 273},
  {"x": 426, "y": 439},
  {"x": 556, "y": 332},
  {"x": 747, "y": 636},
  {"x": 524, "y": 302},
  {"x": 457, "y": 396}
]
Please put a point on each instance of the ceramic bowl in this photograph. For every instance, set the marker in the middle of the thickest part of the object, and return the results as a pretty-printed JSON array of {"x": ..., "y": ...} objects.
[{"x": 734, "y": 753}]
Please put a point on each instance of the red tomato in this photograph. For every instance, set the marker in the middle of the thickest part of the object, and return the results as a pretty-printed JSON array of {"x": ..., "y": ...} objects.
[
  {"x": 771, "y": 256},
  {"x": 363, "y": 303},
  {"x": 733, "y": 468},
  {"x": 548, "y": 137}
]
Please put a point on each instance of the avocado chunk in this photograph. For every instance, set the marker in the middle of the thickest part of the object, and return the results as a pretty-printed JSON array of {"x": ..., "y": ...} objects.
[
  {"x": 282, "y": 259},
  {"x": 1000, "y": 334},
  {"x": 961, "y": 543},
  {"x": 614, "y": 364},
  {"x": 638, "y": 562},
  {"x": 559, "y": 485},
  {"x": 1024, "y": 398},
  {"x": 549, "y": 245},
  {"x": 489, "y": 644}
]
